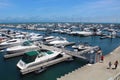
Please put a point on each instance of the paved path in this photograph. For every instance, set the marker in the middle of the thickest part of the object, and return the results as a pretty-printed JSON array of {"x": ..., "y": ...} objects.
[{"x": 96, "y": 71}]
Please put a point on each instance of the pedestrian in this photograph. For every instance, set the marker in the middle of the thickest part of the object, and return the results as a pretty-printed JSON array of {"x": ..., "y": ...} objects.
[
  {"x": 102, "y": 58},
  {"x": 116, "y": 64},
  {"x": 110, "y": 64}
]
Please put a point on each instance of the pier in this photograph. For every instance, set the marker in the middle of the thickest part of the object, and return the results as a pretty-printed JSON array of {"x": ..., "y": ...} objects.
[{"x": 97, "y": 71}]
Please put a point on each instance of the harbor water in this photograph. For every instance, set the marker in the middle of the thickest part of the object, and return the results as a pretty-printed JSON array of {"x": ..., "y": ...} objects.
[{"x": 9, "y": 71}]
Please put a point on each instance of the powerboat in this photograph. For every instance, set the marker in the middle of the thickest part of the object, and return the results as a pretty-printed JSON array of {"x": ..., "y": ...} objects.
[
  {"x": 50, "y": 38},
  {"x": 59, "y": 42},
  {"x": 36, "y": 57},
  {"x": 36, "y": 37},
  {"x": 25, "y": 47},
  {"x": 81, "y": 47},
  {"x": 10, "y": 43},
  {"x": 82, "y": 33}
]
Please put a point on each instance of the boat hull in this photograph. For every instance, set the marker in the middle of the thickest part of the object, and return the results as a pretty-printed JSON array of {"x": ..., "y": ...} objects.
[{"x": 22, "y": 50}]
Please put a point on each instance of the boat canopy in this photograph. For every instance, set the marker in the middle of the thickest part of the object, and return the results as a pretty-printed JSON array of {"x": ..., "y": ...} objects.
[
  {"x": 27, "y": 43},
  {"x": 32, "y": 53},
  {"x": 49, "y": 52}
]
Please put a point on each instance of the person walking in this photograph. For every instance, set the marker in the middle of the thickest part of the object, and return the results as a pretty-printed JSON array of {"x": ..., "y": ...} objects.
[
  {"x": 116, "y": 64},
  {"x": 110, "y": 64}
]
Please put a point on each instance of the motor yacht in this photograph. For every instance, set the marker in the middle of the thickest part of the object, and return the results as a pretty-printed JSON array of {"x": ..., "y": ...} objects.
[
  {"x": 10, "y": 43},
  {"x": 24, "y": 47},
  {"x": 36, "y": 57},
  {"x": 81, "y": 47},
  {"x": 59, "y": 42}
]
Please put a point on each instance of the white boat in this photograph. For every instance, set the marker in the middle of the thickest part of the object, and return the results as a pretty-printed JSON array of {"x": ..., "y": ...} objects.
[
  {"x": 82, "y": 33},
  {"x": 50, "y": 38},
  {"x": 33, "y": 58},
  {"x": 61, "y": 41},
  {"x": 10, "y": 43},
  {"x": 81, "y": 47},
  {"x": 36, "y": 37},
  {"x": 25, "y": 47}
]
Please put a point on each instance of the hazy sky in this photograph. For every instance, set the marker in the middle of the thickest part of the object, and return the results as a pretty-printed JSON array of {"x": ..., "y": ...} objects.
[{"x": 60, "y": 10}]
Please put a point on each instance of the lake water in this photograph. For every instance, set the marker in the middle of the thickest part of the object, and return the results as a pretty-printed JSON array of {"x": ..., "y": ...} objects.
[{"x": 9, "y": 71}]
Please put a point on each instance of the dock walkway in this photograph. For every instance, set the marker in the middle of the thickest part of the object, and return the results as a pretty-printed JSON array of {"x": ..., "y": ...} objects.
[{"x": 97, "y": 71}]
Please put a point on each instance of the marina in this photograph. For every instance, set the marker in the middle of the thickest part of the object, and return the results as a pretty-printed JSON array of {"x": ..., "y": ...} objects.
[
  {"x": 59, "y": 39},
  {"x": 84, "y": 55}
]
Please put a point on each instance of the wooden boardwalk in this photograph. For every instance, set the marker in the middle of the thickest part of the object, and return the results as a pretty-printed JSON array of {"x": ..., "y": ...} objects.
[{"x": 97, "y": 71}]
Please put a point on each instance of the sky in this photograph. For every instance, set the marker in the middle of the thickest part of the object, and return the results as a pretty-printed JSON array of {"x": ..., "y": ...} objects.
[{"x": 60, "y": 10}]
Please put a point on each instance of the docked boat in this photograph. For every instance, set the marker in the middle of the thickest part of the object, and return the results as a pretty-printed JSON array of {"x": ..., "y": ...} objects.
[
  {"x": 10, "y": 43},
  {"x": 82, "y": 33},
  {"x": 36, "y": 37},
  {"x": 59, "y": 42},
  {"x": 50, "y": 38},
  {"x": 36, "y": 57},
  {"x": 81, "y": 47},
  {"x": 25, "y": 47}
]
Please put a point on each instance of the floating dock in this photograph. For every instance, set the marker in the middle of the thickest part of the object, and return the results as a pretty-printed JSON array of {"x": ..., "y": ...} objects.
[{"x": 97, "y": 71}]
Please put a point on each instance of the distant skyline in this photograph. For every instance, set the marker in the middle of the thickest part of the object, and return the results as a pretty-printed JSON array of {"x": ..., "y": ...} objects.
[{"x": 60, "y": 11}]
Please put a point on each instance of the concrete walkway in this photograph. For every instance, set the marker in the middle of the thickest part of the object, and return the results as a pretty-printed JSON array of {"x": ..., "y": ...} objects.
[{"x": 98, "y": 71}]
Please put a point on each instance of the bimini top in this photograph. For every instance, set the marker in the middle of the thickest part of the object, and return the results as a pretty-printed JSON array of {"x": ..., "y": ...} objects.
[
  {"x": 33, "y": 53},
  {"x": 27, "y": 43}
]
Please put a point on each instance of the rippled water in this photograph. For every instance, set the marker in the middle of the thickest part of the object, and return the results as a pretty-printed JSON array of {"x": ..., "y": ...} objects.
[{"x": 9, "y": 71}]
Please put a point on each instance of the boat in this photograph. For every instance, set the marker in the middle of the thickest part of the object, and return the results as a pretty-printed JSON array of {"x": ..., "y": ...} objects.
[
  {"x": 25, "y": 47},
  {"x": 81, "y": 47},
  {"x": 82, "y": 33},
  {"x": 49, "y": 38},
  {"x": 36, "y": 57},
  {"x": 59, "y": 42},
  {"x": 36, "y": 37},
  {"x": 112, "y": 35},
  {"x": 10, "y": 43}
]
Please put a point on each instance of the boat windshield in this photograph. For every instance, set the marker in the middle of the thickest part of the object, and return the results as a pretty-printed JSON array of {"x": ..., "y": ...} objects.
[
  {"x": 30, "y": 56},
  {"x": 45, "y": 51},
  {"x": 27, "y": 43}
]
